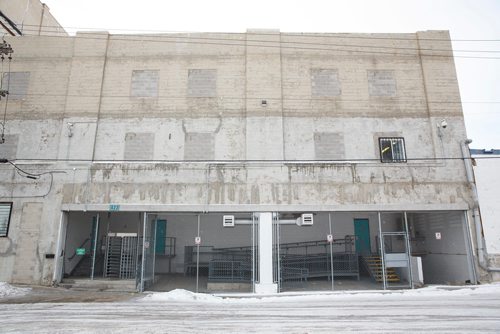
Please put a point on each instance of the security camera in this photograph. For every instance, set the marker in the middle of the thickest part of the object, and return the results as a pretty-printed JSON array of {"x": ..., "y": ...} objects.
[
  {"x": 443, "y": 124},
  {"x": 70, "y": 129}
]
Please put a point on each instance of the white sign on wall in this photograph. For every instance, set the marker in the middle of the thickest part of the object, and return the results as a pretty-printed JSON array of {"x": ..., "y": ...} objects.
[
  {"x": 438, "y": 235},
  {"x": 197, "y": 241},
  {"x": 329, "y": 238}
]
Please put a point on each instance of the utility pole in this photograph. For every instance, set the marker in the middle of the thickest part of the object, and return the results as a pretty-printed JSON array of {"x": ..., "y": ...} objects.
[{"x": 5, "y": 50}]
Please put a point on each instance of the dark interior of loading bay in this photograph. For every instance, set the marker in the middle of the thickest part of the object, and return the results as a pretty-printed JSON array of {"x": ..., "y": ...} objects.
[{"x": 219, "y": 252}]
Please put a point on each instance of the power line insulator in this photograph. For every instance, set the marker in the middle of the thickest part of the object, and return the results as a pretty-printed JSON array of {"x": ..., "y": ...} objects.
[{"x": 5, "y": 48}]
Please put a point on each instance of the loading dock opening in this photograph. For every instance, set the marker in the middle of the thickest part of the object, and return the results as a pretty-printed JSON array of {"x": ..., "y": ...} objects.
[{"x": 203, "y": 252}]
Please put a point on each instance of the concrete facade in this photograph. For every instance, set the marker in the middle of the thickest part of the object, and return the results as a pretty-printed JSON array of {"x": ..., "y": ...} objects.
[
  {"x": 28, "y": 17},
  {"x": 226, "y": 122}
]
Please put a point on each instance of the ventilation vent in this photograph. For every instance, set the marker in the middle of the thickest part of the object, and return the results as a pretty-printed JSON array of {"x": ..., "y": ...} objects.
[
  {"x": 306, "y": 219},
  {"x": 228, "y": 221}
]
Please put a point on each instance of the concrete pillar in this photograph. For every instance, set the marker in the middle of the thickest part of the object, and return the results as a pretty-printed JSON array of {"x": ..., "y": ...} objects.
[{"x": 266, "y": 283}]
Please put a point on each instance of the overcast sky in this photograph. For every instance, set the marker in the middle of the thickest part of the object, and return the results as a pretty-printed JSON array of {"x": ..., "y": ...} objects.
[{"x": 479, "y": 79}]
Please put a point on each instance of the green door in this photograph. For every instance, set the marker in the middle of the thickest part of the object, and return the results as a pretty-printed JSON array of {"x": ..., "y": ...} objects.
[
  {"x": 161, "y": 234},
  {"x": 362, "y": 233}
]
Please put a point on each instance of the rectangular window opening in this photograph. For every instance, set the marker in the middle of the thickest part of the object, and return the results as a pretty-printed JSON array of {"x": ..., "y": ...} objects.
[
  {"x": 17, "y": 83},
  {"x": 145, "y": 83},
  {"x": 381, "y": 83},
  {"x": 202, "y": 83},
  {"x": 392, "y": 149},
  {"x": 325, "y": 83}
]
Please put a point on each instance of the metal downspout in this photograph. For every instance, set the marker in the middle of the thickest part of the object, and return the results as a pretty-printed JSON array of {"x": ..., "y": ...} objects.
[{"x": 481, "y": 248}]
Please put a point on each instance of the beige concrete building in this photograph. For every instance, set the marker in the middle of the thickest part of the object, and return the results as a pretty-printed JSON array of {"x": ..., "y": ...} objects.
[
  {"x": 28, "y": 17},
  {"x": 261, "y": 161}
]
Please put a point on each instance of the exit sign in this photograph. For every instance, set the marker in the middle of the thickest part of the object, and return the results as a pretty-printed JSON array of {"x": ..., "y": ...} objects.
[
  {"x": 114, "y": 207},
  {"x": 80, "y": 251}
]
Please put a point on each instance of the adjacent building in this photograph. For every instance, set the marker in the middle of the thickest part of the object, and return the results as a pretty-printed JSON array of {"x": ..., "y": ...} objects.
[
  {"x": 28, "y": 17},
  {"x": 486, "y": 164},
  {"x": 259, "y": 161}
]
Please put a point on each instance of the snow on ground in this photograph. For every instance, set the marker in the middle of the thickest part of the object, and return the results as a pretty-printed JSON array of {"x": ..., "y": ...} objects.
[
  {"x": 435, "y": 309},
  {"x": 7, "y": 290},
  {"x": 180, "y": 295}
]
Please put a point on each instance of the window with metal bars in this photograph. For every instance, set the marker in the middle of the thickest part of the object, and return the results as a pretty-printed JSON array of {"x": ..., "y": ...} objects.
[
  {"x": 5, "y": 211},
  {"x": 392, "y": 149}
]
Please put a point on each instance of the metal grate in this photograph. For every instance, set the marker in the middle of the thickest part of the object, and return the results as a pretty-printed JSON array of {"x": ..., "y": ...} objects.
[
  {"x": 128, "y": 257},
  {"x": 120, "y": 258},
  {"x": 301, "y": 267},
  {"x": 113, "y": 257},
  {"x": 231, "y": 265},
  {"x": 300, "y": 261},
  {"x": 5, "y": 209},
  {"x": 392, "y": 149}
]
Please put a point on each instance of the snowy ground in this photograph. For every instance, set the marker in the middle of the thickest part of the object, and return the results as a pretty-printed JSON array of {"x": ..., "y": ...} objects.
[
  {"x": 443, "y": 309},
  {"x": 7, "y": 290}
]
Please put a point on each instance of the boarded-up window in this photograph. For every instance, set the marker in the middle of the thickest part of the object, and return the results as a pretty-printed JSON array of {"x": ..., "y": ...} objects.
[
  {"x": 202, "y": 83},
  {"x": 5, "y": 210},
  {"x": 17, "y": 84},
  {"x": 144, "y": 83},
  {"x": 199, "y": 146},
  {"x": 381, "y": 83},
  {"x": 325, "y": 83},
  {"x": 139, "y": 146},
  {"x": 8, "y": 150},
  {"x": 328, "y": 145}
]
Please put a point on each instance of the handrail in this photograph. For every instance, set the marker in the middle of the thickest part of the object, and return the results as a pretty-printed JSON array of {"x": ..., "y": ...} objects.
[
  {"x": 347, "y": 239},
  {"x": 74, "y": 254}
]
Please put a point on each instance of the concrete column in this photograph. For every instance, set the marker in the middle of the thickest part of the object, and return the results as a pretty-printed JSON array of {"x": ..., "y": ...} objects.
[{"x": 266, "y": 283}]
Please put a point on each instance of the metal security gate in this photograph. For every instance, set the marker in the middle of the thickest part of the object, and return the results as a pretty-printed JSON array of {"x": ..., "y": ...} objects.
[
  {"x": 146, "y": 250},
  {"x": 121, "y": 256},
  {"x": 396, "y": 256}
]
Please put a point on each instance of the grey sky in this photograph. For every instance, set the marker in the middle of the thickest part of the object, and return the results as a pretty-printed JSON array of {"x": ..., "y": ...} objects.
[{"x": 479, "y": 79}]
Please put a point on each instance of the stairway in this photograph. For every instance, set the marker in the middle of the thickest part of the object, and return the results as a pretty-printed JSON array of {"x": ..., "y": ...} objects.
[
  {"x": 373, "y": 263},
  {"x": 84, "y": 267}
]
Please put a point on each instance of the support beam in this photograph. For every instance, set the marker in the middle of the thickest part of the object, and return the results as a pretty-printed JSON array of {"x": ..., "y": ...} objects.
[{"x": 266, "y": 283}]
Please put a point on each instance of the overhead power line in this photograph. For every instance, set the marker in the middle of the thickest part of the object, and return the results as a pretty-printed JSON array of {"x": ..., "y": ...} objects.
[
  {"x": 167, "y": 161},
  {"x": 263, "y": 33},
  {"x": 326, "y": 44},
  {"x": 338, "y": 98},
  {"x": 243, "y": 43}
]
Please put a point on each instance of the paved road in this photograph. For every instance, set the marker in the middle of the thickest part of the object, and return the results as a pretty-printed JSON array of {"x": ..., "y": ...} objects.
[{"x": 457, "y": 311}]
